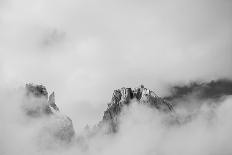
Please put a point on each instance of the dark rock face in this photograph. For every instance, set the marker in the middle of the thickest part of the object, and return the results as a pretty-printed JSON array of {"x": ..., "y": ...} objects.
[
  {"x": 36, "y": 90},
  {"x": 37, "y": 104},
  {"x": 52, "y": 103},
  {"x": 122, "y": 97}
]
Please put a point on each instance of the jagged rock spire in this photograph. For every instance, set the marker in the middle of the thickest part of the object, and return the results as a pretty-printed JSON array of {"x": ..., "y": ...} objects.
[
  {"x": 123, "y": 96},
  {"x": 51, "y": 101},
  {"x": 37, "y": 104}
]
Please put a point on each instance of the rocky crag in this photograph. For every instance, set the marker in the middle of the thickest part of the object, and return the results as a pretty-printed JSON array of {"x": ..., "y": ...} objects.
[
  {"x": 123, "y": 97},
  {"x": 37, "y": 105}
]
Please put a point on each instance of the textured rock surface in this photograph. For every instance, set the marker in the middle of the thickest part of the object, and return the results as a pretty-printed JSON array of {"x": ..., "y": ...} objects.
[
  {"x": 37, "y": 104},
  {"x": 123, "y": 96}
]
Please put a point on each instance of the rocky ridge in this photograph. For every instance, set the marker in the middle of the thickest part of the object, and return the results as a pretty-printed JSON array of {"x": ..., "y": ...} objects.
[
  {"x": 37, "y": 105},
  {"x": 123, "y": 97},
  {"x": 40, "y": 105}
]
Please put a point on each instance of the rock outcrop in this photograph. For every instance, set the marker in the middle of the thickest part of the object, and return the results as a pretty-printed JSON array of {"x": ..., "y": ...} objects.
[
  {"x": 124, "y": 96},
  {"x": 37, "y": 104}
]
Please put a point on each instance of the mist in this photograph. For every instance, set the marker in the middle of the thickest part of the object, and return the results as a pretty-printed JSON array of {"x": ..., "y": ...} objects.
[
  {"x": 142, "y": 130},
  {"x": 89, "y": 48},
  {"x": 83, "y": 50}
]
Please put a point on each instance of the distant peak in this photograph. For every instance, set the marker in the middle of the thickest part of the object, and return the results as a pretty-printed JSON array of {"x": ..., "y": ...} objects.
[{"x": 123, "y": 96}]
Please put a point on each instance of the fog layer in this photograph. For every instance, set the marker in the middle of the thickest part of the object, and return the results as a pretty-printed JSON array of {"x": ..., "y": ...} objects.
[
  {"x": 142, "y": 130},
  {"x": 82, "y": 48}
]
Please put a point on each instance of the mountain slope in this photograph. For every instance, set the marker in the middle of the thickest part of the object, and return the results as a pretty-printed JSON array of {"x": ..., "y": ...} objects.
[
  {"x": 38, "y": 106},
  {"x": 124, "y": 96}
]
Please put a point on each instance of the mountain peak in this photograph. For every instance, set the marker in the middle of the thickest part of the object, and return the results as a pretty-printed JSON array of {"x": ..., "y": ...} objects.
[
  {"x": 124, "y": 96},
  {"x": 37, "y": 104}
]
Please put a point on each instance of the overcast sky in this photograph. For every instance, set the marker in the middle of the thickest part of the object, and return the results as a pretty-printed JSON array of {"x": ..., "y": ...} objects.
[{"x": 84, "y": 49}]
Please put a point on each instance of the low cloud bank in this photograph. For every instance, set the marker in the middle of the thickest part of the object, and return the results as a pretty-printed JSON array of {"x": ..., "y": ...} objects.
[
  {"x": 205, "y": 130},
  {"x": 194, "y": 94},
  {"x": 203, "y": 90}
]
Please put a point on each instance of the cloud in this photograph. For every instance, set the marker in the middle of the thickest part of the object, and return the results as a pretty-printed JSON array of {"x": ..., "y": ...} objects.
[
  {"x": 142, "y": 130},
  {"x": 204, "y": 90},
  {"x": 146, "y": 131},
  {"x": 88, "y": 48},
  {"x": 79, "y": 48},
  {"x": 195, "y": 94}
]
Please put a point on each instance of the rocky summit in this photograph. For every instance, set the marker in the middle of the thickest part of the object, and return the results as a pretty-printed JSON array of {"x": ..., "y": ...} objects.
[
  {"x": 123, "y": 97},
  {"x": 37, "y": 105}
]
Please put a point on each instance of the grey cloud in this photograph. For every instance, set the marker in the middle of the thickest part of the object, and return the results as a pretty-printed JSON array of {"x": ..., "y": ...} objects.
[
  {"x": 202, "y": 90},
  {"x": 97, "y": 46},
  {"x": 105, "y": 45}
]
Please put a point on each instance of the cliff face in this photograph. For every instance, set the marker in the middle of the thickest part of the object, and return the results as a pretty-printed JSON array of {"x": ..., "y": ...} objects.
[
  {"x": 37, "y": 105},
  {"x": 123, "y": 97}
]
